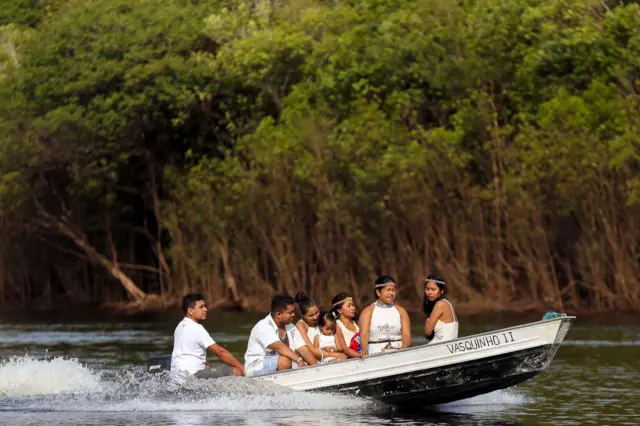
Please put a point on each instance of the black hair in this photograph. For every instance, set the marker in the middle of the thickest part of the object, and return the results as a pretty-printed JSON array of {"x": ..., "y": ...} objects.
[
  {"x": 337, "y": 302},
  {"x": 385, "y": 279},
  {"x": 326, "y": 317},
  {"x": 279, "y": 302},
  {"x": 304, "y": 302},
  {"x": 189, "y": 301},
  {"x": 427, "y": 306},
  {"x": 381, "y": 283}
]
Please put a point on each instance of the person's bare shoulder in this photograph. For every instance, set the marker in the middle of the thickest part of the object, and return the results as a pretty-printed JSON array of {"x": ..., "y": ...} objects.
[
  {"x": 302, "y": 326},
  {"x": 367, "y": 310},
  {"x": 440, "y": 305},
  {"x": 401, "y": 310}
]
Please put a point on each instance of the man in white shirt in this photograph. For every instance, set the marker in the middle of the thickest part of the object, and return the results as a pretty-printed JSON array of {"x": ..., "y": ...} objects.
[
  {"x": 274, "y": 341},
  {"x": 191, "y": 343}
]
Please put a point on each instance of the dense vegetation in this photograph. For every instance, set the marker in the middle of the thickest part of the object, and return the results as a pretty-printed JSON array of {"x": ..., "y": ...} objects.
[{"x": 241, "y": 147}]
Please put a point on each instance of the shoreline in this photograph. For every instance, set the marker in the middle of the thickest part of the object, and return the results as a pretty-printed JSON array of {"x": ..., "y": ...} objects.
[{"x": 161, "y": 307}]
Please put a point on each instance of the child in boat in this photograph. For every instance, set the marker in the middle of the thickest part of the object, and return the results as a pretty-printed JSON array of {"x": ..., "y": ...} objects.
[{"x": 326, "y": 340}]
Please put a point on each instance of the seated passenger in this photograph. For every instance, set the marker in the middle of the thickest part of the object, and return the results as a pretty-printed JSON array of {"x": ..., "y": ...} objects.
[
  {"x": 308, "y": 324},
  {"x": 441, "y": 324},
  {"x": 274, "y": 341},
  {"x": 325, "y": 341},
  {"x": 191, "y": 343},
  {"x": 384, "y": 325},
  {"x": 348, "y": 332}
]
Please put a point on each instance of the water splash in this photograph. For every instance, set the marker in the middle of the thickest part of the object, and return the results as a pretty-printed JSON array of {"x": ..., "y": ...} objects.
[
  {"x": 66, "y": 385},
  {"x": 26, "y": 375},
  {"x": 493, "y": 401}
]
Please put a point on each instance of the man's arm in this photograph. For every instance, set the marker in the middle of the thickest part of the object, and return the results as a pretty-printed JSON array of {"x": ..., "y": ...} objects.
[
  {"x": 285, "y": 351},
  {"x": 226, "y": 357}
]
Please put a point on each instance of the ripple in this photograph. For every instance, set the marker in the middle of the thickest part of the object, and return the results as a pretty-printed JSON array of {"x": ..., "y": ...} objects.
[{"x": 597, "y": 343}]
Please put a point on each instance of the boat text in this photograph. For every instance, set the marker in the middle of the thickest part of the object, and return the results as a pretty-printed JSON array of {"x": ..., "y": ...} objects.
[{"x": 481, "y": 342}]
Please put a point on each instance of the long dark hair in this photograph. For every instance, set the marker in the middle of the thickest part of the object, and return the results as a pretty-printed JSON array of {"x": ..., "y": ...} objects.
[
  {"x": 427, "y": 306},
  {"x": 304, "y": 302}
]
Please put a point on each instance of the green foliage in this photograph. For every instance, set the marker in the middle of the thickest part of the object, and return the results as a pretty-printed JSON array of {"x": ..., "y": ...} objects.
[
  {"x": 23, "y": 12},
  {"x": 350, "y": 137}
]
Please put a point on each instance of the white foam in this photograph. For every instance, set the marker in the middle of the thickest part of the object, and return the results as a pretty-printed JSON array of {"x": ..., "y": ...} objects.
[
  {"x": 65, "y": 385},
  {"x": 24, "y": 376},
  {"x": 231, "y": 403},
  {"x": 489, "y": 402}
]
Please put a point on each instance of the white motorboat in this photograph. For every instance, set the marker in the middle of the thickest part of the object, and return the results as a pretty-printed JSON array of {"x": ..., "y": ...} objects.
[{"x": 434, "y": 373}]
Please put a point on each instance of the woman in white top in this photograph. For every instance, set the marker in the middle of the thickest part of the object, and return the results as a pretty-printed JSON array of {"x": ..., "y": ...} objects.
[
  {"x": 348, "y": 332},
  {"x": 441, "y": 324},
  {"x": 308, "y": 324},
  {"x": 384, "y": 325}
]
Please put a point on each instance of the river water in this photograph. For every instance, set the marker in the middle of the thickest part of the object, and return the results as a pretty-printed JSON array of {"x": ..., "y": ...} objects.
[{"x": 68, "y": 369}]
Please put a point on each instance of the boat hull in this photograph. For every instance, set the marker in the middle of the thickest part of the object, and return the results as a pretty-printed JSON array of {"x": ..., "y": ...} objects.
[
  {"x": 446, "y": 384},
  {"x": 439, "y": 373},
  {"x": 432, "y": 374}
]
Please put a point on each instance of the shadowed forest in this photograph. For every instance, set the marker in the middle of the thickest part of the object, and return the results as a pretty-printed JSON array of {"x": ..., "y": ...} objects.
[{"x": 242, "y": 148}]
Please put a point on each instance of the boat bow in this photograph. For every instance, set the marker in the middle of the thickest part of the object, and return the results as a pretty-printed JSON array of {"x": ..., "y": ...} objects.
[{"x": 440, "y": 372}]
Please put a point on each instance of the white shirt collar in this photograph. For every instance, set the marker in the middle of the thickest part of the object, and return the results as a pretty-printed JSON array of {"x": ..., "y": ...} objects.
[{"x": 272, "y": 323}]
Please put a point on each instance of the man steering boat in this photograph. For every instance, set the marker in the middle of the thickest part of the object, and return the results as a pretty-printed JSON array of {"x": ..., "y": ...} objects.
[{"x": 191, "y": 342}]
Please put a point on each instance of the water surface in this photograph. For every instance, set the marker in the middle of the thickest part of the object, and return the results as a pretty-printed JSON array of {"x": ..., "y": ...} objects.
[{"x": 70, "y": 369}]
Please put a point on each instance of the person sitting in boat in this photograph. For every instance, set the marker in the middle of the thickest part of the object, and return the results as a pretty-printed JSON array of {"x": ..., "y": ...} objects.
[
  {"x": 191, "y": 343},
  {"x": 325, "y": 341},
  {"x": 384, "y": 325},
  {"x": 441, "y": 324},
  {"x": 275, "y": 344},
  {"x": 348, "y": 332},
  {"x": 308, "y": 324}
]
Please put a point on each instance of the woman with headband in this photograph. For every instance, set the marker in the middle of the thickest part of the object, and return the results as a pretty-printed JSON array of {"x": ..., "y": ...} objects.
[
  {"x": 348, "y": 332},
  {"x": 384, "y": 325},
  {"x": 441, "y": 323}
]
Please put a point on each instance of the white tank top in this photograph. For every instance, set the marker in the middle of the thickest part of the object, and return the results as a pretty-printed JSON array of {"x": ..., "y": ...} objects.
[
  {"x": 385, "y": 331},
  {"x": 325, "y": 341},
  {"x": 348, "y": 334},
  {"x": 445, "y": 331},
  {"x": 312, "y": 332}
]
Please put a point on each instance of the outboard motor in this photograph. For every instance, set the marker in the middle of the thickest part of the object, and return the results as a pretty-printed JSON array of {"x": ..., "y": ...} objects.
[{"x": 156, "y": 364}]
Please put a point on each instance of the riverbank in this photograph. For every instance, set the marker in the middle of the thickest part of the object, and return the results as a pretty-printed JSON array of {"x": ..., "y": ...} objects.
[{"x": 159, "y": 307}]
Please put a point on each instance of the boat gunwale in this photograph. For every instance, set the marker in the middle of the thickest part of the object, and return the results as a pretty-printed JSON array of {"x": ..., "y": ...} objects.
[{"x": 419, "y": 347}]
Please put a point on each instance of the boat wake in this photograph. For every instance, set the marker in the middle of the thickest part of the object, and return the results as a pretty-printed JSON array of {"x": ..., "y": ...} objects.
[
  {"x": 493, "y": 401},
  {"x": 600, "y": 343},
  {"x": 61, "y": 384},
  {"x": 28, "y": 376},
  {"x": 65, "y": 385}
]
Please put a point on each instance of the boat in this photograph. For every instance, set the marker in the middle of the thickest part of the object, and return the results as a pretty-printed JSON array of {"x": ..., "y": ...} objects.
[{"x": 433, "y": 374}]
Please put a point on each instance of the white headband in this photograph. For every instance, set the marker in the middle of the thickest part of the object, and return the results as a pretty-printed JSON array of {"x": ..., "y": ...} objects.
[
  {"x": 385, "y": 284},
  {"x": 342, "y": 301}
]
